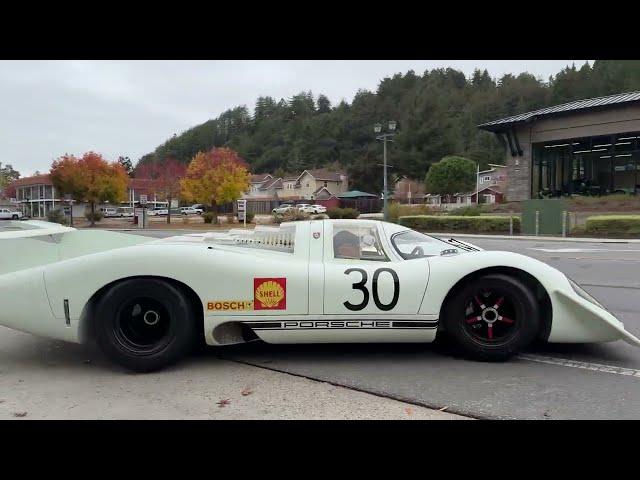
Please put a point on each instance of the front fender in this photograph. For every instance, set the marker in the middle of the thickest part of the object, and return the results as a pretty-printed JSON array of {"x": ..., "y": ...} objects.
[{"x": 574, "y": 319}]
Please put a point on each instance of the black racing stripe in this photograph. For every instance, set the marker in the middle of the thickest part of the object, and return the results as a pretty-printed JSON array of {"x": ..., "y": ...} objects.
[
  {"x": 263, "y": 325},
  {"x": 405, "y": 324},
  {"x": 290, "y": 329}
]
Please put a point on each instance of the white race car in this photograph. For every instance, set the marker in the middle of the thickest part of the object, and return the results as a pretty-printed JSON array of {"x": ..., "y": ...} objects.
[{"x": 147, "y": 302}]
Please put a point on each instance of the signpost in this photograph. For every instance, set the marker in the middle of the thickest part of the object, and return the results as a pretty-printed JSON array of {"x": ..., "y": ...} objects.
[{"x": 242, "y": 211}]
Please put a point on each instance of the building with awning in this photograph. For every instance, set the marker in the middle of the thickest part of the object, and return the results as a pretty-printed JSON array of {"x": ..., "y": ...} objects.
[{"x": 584, "y": 147}]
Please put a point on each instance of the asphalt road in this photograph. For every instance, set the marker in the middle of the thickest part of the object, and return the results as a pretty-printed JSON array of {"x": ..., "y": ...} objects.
[{"x": 561, "y": 381}]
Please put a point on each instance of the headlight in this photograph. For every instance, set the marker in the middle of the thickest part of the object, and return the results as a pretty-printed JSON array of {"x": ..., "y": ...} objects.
[{"x": 580, "y": 291}]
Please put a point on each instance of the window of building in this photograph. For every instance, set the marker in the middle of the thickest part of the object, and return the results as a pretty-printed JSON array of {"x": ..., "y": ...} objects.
[
  {"x": 357, "y": 243},
  {"x": 598, "y": 165}
]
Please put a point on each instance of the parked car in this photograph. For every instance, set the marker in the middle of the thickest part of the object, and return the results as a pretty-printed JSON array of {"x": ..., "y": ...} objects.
[
  {"x": 302, "y": 206},
  {"x": 125, "y": 212},
  {"x": 8, "y": 214},
  {"x": 378, "y": 282},
  {"x": 284, "y": 208},
  {"x": 109, "y": 212},
  {"x": 199, "y": 206},
  {"x": 190, "y": 211},
  {"x": 314, "y": 209},
  {"x": 158, "y": 211}
]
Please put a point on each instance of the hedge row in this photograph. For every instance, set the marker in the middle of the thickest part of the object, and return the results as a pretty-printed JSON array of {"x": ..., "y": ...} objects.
[
  {"x": 628, "y": 225},
  {"x": 453, "y": 223}
]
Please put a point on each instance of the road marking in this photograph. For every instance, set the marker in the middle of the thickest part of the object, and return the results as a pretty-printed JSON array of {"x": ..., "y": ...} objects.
[
  {"x": 580, "y": 250},
  {"x": 596, "y": 367}
]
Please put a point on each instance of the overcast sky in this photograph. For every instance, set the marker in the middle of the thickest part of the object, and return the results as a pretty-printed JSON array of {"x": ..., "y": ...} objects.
[{"x": 128, "y": 108}]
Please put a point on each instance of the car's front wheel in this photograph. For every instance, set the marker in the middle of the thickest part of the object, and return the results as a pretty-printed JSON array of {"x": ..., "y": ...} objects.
[
  {"x": 145, "y": 324},
  {"x": 492, "y": 317}
]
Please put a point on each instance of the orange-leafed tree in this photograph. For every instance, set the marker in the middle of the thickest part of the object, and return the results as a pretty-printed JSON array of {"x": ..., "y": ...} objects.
[
  {"x": 166, "y": 176},
  {"x": 90, "y": 179},
  {"x": 215, "y": 177}
]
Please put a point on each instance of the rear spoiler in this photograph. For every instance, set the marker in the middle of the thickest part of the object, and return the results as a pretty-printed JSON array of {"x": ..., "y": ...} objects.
[{"x": 31, "y": 228}]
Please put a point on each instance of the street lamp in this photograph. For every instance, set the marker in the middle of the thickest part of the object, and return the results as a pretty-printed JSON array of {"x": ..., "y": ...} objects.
[{"x": 385, "y": 137}]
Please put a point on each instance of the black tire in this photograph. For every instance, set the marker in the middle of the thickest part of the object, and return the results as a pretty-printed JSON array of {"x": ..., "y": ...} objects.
[
  {"x": 14, "y": 217},
  {"x": 145, "y": 324},
  {"x": 482, "y": 332}
]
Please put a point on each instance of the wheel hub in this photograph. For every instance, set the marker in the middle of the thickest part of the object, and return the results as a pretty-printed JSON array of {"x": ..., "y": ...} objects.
[{"x": 490, "y": 315}]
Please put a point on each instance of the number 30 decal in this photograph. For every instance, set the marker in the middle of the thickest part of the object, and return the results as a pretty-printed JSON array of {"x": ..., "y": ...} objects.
[{"x": 362, "y": 286}]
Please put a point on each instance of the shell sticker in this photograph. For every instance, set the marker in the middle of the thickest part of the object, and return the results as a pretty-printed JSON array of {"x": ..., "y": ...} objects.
[{"x": 270, "y": 293}]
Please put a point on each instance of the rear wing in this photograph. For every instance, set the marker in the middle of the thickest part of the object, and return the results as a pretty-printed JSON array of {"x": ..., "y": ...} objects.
[
  {"x": 32, "y": 243},
  {"x": 31, "y": 228}
]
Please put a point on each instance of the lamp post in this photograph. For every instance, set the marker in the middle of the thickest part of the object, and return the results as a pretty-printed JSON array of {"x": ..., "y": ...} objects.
[{"x": 385, "y": 137}]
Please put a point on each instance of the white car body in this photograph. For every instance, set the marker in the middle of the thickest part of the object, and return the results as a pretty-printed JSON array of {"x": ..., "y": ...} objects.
[
  {"x": 8, "y": 214},
  {"x": 125, "y": 212},
  {"x": 158, "y": 211},
  {"x": 313, "y": 209},
  {"x": 109, "y": 212},
  {"x": 190, "y": 211},
  {"x": 283, "y": 209},
  {"x": 282, "y": 284}
]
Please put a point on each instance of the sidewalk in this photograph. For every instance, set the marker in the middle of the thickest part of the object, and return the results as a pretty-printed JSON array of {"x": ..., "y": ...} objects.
[{"x": 47, "y": 379}]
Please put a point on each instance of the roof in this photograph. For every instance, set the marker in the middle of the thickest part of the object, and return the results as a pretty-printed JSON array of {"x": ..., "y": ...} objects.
[
  {"x": 323, "y": 174},
  {"x": 356, "y": 194},
  {"x": 260, "y": 177},
  {"x": 586, "y": 104},
  {"x": 275, "y": 183},
  {"x": 35, "y": 180},
  {"x": 493, "y": 188}
]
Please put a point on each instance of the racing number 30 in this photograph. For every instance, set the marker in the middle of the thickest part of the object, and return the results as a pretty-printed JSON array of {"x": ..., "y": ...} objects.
[{"x": 362, "y": 286}]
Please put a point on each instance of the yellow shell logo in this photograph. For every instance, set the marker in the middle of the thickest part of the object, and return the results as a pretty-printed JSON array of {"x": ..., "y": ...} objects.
[{"x": 270, "y": 293}]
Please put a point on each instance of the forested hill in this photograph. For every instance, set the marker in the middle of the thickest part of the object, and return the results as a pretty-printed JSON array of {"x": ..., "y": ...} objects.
[{"x": 437, "y": 114}]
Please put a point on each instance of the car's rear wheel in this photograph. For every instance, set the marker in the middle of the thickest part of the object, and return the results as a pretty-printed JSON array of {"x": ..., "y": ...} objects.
[
  {"x": 145, "y": 324},
  {"x": 492, "y": 318},
  {"x": 14, "y": 217}
]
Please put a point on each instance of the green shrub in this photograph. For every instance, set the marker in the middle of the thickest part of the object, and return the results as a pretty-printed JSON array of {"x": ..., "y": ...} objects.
[
  {"x": 343, "y": 213},
  {"x": 57, "y": 216},
  {"x": 290, "y": 216},
  {"x": 250, "y": 216},
  {"x": 451, "y": 223},
  {"x": 627, "y": 225},
  {"x": 397, "y": 210},
  {"x": 208, "y": 217},
  {"x": 466, "y": 211},
  {"x": 97, "y": 216}
]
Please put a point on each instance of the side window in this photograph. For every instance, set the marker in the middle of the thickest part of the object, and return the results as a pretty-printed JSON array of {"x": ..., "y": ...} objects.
[{"x": 357, "y": 243}]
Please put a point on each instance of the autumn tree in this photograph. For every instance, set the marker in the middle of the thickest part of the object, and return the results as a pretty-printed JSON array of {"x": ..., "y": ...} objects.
[
  {"x": 166, "y": 176},
  {"x": 215, "y": 177},
  {"x": 90, "y": 179}
]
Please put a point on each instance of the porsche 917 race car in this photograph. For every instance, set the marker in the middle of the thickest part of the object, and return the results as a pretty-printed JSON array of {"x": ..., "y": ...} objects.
[{"x": 147, "y": 302}]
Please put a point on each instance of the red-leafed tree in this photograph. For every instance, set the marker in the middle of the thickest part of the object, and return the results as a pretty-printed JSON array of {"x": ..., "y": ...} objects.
[
  {"x": 89, "y": 178},
  {"x": 166, "y": 176}
]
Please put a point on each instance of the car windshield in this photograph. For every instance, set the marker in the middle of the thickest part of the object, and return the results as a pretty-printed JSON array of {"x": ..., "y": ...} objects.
[{"x": 411, "y": 244}]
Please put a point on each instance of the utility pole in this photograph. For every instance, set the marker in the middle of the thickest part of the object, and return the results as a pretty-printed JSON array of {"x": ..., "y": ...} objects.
[{"x": 385, "y": 137}]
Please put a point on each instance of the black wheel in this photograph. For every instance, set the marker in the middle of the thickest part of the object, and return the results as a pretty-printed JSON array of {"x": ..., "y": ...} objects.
[
  {"x": 145, "y": 324},
  {"x": 492, "y": 318},
  {"x": 15, "y": 217}
]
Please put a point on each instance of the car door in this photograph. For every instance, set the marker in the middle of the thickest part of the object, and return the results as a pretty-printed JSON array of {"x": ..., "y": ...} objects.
[{"x": 364, "y": 276}]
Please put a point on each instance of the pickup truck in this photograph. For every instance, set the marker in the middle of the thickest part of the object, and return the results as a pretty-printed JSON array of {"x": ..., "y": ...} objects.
[{"x": 7, "y": 214}]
